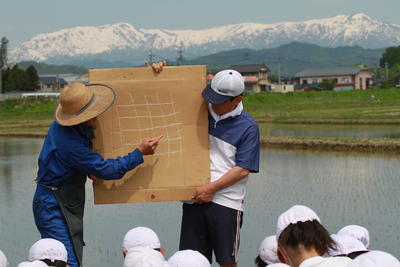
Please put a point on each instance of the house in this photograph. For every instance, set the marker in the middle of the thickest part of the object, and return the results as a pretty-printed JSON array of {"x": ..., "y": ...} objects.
[
  {"x": 51, "y": 83},
  {"x": 256, "y": 77},
  {"x": 346, "y": 78}
]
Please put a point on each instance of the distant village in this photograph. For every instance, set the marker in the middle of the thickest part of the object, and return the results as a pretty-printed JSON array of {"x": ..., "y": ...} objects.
[{"x": 258, "y": 78}]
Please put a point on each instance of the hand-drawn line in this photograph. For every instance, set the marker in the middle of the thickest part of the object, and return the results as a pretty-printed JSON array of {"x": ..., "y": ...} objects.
[
  {"x": 134, "y": 108},
  {"x": 176, "y": 119},
  {"x": 152, "y": 128},
  {"x": 149, "y": 112},
  {"x": 151, "y": 116},
  {"x": 166, "y": 128},
  {"x": 143, "y": 105}
]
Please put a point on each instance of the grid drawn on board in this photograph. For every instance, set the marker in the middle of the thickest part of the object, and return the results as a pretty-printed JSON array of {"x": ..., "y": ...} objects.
[{"x": 173, "y": 142}]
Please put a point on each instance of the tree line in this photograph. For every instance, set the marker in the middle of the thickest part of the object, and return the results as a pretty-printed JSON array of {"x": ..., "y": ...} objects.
[{"x": 16, "y": 79}]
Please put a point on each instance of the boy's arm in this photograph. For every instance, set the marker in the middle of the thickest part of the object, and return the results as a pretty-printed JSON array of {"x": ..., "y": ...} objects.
[{"x": 206, "y": 192}]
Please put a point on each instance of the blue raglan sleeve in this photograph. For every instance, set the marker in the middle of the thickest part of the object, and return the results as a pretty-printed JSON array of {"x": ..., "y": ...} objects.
[
  {"x": 82, "y": 158},
  {"x": 248, "y": 149}
]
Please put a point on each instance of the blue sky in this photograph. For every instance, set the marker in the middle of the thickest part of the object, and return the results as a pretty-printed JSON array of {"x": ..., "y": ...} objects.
[{"x": 20, "y": 20}]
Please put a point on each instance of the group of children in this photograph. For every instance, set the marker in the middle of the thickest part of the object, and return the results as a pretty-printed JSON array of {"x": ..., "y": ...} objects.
[{"x": 300, "y": 241}]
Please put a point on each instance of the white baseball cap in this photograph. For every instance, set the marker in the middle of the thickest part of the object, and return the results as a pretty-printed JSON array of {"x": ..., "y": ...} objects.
[
  {"x": 225, "y": 85},
  {"x": 297, "y": 213},
  {"x": 345, "y": 244},
  {"x": 3, "y": 260},
  {"x": 140, "y": 237},
  {"x": 358, "y": 232},
  {"x": 186, "y": 258},
  {"x": 144, "y": 257},
  {"x": 268, "y": 250},
  {"x": 32, "y": 264},
  {"x": 48, "y": 248},
  {"x": 375, "y": 259}
]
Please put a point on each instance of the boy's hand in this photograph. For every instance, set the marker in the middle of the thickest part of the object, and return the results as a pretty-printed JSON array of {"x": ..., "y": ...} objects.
[
  {"x": 148, "y": 146},
  {"x": 204, "y": 194},
  {"x": 157, "y": 67}
]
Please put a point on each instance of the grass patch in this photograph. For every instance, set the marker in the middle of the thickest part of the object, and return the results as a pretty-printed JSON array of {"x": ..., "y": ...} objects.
[{"x": 377, "y": 104}]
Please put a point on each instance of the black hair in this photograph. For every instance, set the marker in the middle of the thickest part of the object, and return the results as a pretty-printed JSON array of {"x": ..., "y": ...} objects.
[
  {"x": 55, "y": 263},
  {"x": 310, "y": 234},
  {"x": 259, "y": 262},
  {"x": 355, "y": 254}
]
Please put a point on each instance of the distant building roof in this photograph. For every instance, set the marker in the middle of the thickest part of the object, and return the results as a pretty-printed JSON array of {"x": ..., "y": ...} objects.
[
  {"x": 250, "y": 68},
  {"x": 52, "y": 80},
  {"x": 335, "y": 71}
]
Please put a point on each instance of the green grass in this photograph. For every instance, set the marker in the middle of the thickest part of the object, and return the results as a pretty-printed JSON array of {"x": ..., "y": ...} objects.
[
  {"x": 19, "y": 111},
  {"x": 326, "y": 105}
]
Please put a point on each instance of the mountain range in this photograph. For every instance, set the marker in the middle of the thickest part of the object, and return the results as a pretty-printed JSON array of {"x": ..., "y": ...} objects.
[{"x": 126, "y": 43}]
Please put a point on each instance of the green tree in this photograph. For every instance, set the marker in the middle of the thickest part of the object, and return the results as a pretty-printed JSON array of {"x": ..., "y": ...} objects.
[
  {"x": 17, "y": 80},
  {"x": 327, "y": 84},
  {"x": 33, "y": 78},
  {"x": 391, "y": 56}
]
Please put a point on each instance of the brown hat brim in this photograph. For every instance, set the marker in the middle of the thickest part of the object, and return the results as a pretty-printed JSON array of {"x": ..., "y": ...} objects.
[{"x": 104, "y": 97}]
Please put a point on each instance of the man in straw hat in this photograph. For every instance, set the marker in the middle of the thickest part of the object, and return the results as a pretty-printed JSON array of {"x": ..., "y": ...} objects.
[{"x": 67, "y": 158}]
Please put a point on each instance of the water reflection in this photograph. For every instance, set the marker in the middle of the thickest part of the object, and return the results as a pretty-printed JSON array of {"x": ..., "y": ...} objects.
[{"x": 342, "y": 188}]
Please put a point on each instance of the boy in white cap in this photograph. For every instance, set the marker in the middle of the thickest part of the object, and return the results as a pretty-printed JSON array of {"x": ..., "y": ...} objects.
[
  {"x": 141, "y": 237},
  {"x": 375, "y": 259},
  {"x": 268, "y": 252},
  {"x": 188, "y": 257},
  {"x": 213, "y": 222},
  {"x": 144, "y": 257},
  {"x": 302, "y": 240},
  {"x": 3, "y": 260},
  {"x": 50, "y": 251}
]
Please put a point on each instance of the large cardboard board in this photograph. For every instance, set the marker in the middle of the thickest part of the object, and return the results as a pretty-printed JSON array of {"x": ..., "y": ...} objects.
[{"x": 147, "y": 105}]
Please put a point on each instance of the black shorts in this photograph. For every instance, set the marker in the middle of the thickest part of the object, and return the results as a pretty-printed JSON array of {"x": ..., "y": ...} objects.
[{"x": 211, "y": 227}]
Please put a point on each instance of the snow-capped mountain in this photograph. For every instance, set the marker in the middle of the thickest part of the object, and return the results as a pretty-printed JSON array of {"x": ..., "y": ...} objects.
[{"x": 124, "y": 41}]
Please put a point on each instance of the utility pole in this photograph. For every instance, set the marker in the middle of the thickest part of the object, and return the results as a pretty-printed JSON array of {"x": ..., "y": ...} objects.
[
  {"x": 3, "y": 60},
  {"x": 279, "y": 69},
  {"x": 151, "y": 56},
  {"x": 179, "y": 60}
]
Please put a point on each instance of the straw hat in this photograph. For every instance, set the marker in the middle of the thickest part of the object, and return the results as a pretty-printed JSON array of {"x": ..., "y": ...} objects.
[{"x": 80, "y": 103}]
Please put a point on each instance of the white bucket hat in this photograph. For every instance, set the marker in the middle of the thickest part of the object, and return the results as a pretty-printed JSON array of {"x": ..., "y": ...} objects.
[
  {"x": 279, "y": 264},
  {"x": 375, "y": 259},
  {"x": 144, "y": 257},
  {"x": 3, "y": 260},
  {"x": 268, "y": 250},
  {"x": 297, "y": 213},
  {"x": 186, "y": 258},
  {"x": 345, "y": 244},
  {"x": 140, "y": 237},
  {"x": 358, "y": 232},
  {"x": 48, "y": 248}
]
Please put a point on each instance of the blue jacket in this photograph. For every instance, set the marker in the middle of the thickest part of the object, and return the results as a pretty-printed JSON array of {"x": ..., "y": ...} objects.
[{"x": 66, "y": 151}]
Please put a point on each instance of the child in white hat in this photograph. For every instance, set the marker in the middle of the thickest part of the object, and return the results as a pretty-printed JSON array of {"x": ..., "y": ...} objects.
[
  {"x": 267, "y": 253},
  {"x": 33, "y": 264},
  {"x": 347, "y": 245},
  {"x": 188, "y": 257},
  {"x": 3, "y": 260},
  {"x": 375, "y": 259},
  {"x": 358, "y": 232},
  {"x": 141, "y": 237},
  {"x": 302, "y": 240},
  {"x": 144, "y": 257},
  {"x": 50, "y": 251}
]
